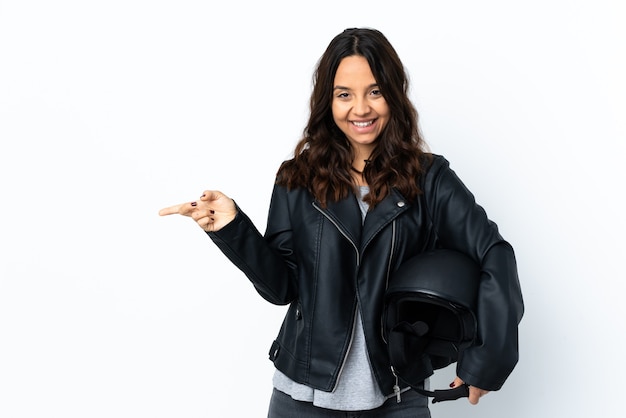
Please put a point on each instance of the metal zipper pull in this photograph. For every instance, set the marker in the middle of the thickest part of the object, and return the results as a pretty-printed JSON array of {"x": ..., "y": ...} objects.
[{"x": 396, "y": 388}]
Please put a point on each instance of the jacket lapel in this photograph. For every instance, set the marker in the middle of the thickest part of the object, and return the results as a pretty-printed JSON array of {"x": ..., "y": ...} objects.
[
  {"x": 385, "y": 212},
  {"x": 346, "y": 215}
]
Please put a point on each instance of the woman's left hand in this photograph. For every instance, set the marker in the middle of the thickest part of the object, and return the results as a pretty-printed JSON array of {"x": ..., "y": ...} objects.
[{"x": 474, "y": 393}]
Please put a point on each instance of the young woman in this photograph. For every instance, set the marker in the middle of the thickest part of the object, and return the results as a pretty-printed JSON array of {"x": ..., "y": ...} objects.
[{"x": 360, "y": 196}]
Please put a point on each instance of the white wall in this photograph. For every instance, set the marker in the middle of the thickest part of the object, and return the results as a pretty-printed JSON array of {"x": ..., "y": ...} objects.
[{"x": 110, "y": 110}]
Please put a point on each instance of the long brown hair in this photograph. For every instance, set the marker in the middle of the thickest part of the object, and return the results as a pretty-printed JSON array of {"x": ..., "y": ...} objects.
[{"x": 323, "y": 157}]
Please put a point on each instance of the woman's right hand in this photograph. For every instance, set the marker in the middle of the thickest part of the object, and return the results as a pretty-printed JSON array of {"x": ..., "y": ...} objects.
[{"x": 212, "y": 212}]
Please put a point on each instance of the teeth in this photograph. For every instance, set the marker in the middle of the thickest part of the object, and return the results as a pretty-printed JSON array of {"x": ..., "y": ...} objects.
[{"x": 362, "y": 124}]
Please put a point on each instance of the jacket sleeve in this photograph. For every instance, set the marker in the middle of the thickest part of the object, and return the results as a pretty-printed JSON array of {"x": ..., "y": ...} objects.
[
  {"x": 463, "y": 225},
  {"x": 266, "y": 261}
]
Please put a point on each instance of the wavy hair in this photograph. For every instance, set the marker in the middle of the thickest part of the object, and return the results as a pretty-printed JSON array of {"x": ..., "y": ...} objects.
[{"x": 322, "y": 159}]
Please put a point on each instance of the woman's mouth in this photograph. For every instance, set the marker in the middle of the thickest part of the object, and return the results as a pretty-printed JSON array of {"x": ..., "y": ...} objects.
[{"x": 363, "y": 124}]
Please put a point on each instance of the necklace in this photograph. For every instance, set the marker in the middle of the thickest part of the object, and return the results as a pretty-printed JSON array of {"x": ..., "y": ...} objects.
[{"x": 358, "y": 171}]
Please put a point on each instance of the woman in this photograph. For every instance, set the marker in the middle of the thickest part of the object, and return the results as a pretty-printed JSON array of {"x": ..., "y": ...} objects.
[{"x": 360, "y": 196}]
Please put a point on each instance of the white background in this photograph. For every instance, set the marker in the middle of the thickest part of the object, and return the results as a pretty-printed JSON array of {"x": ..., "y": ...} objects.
[{"x": 111, "y": 110}]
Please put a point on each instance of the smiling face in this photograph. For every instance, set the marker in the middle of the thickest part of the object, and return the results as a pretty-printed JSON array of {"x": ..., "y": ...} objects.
[{"x": 359, "y": 109}]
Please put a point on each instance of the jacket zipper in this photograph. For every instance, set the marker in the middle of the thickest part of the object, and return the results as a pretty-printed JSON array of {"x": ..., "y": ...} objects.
[
  {"x": 393, "y": 245},
  {"x": 396, "y": 387},
  {"x": 358, "y": 262},
  {"x": 343, "y": 362}
]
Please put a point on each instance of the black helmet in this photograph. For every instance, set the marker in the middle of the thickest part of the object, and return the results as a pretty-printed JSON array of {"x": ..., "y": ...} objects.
[{"x": 428, "y": 316}]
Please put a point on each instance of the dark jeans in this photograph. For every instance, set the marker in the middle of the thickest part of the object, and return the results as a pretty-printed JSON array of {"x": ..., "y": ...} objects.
[{"x": 413, "y": 405}]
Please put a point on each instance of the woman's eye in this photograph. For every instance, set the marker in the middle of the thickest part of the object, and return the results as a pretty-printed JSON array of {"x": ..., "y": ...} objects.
[{"x": 342, "y": 95}]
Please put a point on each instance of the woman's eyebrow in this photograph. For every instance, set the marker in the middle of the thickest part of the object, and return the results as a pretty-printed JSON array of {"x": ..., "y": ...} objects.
[{"x": 348, "y": 88}]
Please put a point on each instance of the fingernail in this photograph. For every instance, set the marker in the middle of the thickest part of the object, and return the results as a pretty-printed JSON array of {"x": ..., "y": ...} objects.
[
  {"x": 212, "y": 211},
  {"x": 193, "y": 203},
  {"x": 452, "y": 384}
]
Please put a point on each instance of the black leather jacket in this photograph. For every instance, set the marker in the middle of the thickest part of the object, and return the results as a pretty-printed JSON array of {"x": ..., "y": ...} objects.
[{"x": 326, "y": 264}]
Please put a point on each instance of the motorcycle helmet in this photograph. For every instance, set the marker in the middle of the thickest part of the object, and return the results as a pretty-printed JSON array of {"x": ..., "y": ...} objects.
[{"x": 428, "y": 317}]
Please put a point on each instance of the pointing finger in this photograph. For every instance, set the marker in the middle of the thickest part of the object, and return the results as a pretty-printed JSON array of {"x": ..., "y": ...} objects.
[
  {"x": 170, "y": 210},
  {"x": 183, "y": 209}
]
